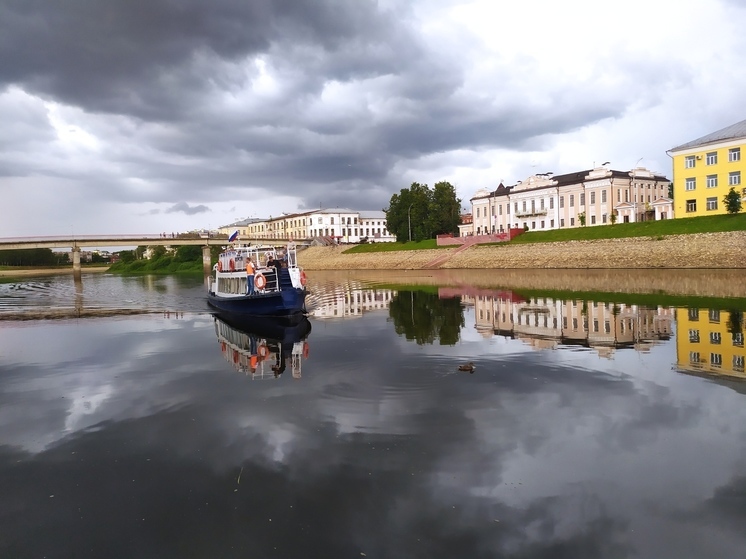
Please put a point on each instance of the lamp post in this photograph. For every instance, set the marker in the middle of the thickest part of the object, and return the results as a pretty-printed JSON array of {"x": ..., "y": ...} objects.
[{"x": 409, "y": 220}]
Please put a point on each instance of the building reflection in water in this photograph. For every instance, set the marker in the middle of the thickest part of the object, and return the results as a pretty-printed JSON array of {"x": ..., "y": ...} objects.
[
  {"x": 264, "y": 348},
  {"x": 348, "y": 300},
  {"x": 546, "y": 323},
  {"x": 710, "y": 342}
]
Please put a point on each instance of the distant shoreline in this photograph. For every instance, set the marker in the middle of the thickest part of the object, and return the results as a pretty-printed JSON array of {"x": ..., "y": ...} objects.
[{"x": 25, "y": 272}]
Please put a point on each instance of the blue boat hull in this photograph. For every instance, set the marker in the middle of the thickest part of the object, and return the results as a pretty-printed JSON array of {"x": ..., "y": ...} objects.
[{"x": 282, "y": 303}]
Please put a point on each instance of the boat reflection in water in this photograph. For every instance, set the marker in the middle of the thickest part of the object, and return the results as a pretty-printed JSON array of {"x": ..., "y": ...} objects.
[{"x": 264, "y": 347}]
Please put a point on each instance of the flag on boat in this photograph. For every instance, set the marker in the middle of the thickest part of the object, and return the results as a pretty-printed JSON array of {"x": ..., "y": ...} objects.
[{"x": 233, "y": 236}]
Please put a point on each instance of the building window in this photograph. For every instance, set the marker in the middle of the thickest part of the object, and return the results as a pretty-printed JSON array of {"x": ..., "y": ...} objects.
[
  {"x": 604, "y": 218},
  {"x": 715, "y": 338},
  {"x": 562, "y": 222},
  {"x": 551, "y": 223},
  {"x": 516, "y": 207},
  {"x": 691, "y": 183},
  {"x": 734, "y": 154},
  {"x": 541, "y": 204},
  {"x": 542, "y": 224},
  {"x": 716, "y": 359},
  {"x": 694, "y": 336},
  {"x": 689, "y": 162},
  {"x": 572, "y": 222},
  {"x": 477, "y": 212},
  {"x": 714, "y": 316},
  {"x": 693, "y": 357},
  {"x": 691, "y": 205},
  {"x": 500, "y": 209},
  {"x": 693, "y": 314},
  {"x": 593, "y": 197},
  {"x": 712, "y": 181},
  {"x": 593, "y": 220},
  {"x": 738, "y": 363},
  {"x": 712, "y": 158},
  {"x": 603, "y": 196},
  {"x": 712, "y": 203},
  {"x": 738, "y": 339},
  {"x": 562, "y": 202},
  {"x": 551, "y": 203},
  {"x": 582, "y": 198},
  {"x": 734, "y": 178},
  {"x": 507, "y": 208},
  {"x": 572, "y": 200},
  {"x": 533, "y": 206},
  {"x": 524, "y": 205}
]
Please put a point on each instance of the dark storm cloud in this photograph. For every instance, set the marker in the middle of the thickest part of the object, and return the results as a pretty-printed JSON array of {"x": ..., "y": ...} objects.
[{"x": 134, "y": 57}]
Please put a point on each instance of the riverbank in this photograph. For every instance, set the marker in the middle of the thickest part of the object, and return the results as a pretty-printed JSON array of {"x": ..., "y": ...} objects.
[
  {"x": 697, "y": 251},
  {"x": 26, "y": 272}
]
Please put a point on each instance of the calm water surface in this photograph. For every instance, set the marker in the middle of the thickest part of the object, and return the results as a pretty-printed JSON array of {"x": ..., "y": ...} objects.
[{"x": 587, "y": 428}]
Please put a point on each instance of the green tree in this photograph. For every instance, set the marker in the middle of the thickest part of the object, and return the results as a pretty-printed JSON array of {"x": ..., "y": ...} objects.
[
  {"x": 581, "y": 219},
  {"x": 445, "y": 209},
  {"x": 732, "y": 201},
  {"x": 127, "y": 256},
  {"x": 188, "y": 253},
  {"x": 418, "y": 213}
]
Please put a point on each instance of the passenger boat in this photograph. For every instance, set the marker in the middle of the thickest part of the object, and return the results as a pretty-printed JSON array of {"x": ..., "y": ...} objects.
[
  {"x": 274, "y": 286},
  {"x": 262, "y": 346}
]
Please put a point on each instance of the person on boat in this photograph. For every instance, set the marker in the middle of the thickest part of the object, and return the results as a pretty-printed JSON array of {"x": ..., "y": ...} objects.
[{"x": 250, "y": 270}]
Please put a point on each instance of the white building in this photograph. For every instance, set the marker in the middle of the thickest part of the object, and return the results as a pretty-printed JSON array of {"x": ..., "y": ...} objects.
[{"x": 590, "y": 197}]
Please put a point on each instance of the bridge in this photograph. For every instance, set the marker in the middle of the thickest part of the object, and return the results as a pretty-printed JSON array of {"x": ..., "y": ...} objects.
[{"x": 77, "y": 242}]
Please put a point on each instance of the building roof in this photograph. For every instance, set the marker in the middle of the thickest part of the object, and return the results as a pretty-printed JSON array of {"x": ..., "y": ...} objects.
[
  {"x": 732, "y": 132},
  {"x": 373, "y": 214},
  {"x": 243, "y": 222}
]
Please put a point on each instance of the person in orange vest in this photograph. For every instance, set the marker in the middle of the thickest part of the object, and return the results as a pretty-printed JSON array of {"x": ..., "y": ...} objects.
[{"x": 250, "y": 269}]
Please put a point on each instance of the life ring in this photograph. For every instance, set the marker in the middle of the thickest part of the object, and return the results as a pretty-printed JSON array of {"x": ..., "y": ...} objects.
[
  {"x": 305, "y": 350},
  {"x": 302, "y": 278},
  {"x": 232, "y": 265},
  {"x": 263, "y": 352},
  {"x": 220, "y": 266},
  {"x": 260, "y": 281}
]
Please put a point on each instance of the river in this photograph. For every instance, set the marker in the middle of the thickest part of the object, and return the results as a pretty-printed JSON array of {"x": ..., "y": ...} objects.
[{"x": 598, "y": 424}]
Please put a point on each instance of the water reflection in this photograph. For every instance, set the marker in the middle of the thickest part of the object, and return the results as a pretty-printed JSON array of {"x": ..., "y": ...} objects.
[
  {"x": 263, "y": 347},
  {"x": 545, "y": 323},
  {"x": 436, "y": 314},
  {"x": 710, "y": 341}
]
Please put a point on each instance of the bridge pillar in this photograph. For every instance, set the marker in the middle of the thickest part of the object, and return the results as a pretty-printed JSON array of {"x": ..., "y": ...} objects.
[
  {"x": 76, "y": 261},
  {"x": 206, "y": 260}
]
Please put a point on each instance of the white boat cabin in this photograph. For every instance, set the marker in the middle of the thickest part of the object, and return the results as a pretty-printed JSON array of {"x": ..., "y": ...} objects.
[{"x": 232, "y": 272}]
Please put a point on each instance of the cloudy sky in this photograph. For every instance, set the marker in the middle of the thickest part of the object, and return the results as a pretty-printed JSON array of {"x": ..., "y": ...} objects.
[{"x": 142, "y": 116}]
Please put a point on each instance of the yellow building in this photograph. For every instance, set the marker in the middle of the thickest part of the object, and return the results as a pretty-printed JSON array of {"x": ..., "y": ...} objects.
[
  {"x": 705, "y": 169},
  {"x": 710, "y": 341}
]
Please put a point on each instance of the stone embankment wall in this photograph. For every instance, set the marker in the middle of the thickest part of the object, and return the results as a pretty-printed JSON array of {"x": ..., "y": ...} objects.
[{"x": 707, "y": 250}]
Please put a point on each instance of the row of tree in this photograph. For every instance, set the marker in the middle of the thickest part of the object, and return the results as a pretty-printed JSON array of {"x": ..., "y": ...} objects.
[
  {"x": 33, "y": 257},
  {"x": 419, "y": 212}
]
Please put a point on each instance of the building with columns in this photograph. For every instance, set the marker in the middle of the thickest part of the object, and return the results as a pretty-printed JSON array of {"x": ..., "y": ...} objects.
[{"x": 590, "y": 197}]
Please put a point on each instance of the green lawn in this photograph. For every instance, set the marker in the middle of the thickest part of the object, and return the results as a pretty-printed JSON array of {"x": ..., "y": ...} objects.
[
  {"x": 683, "y": 226},
  {"x": 392, "y": 247}
]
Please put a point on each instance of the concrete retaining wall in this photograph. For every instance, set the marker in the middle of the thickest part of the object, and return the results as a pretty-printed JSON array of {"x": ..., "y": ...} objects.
[{"x": 707, "y": 250}]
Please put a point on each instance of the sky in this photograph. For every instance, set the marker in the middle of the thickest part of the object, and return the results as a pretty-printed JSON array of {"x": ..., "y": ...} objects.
[{"x": 144, "y": 116}]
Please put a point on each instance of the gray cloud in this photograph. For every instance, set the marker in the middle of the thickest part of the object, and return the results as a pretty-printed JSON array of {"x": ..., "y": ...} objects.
[{"x": 183, "y": 207}]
